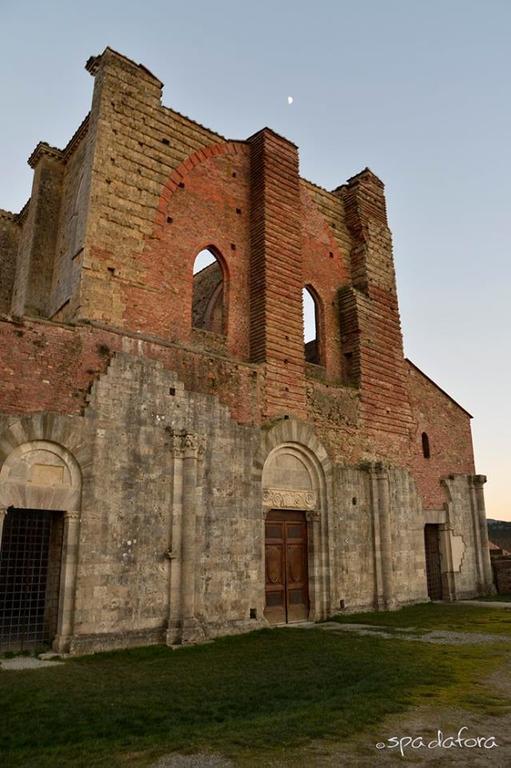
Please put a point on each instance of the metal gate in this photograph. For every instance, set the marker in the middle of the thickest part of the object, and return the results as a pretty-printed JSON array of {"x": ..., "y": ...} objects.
[
  {"x": 24, "y": 570},
  {"x": 433, "y": 564}
]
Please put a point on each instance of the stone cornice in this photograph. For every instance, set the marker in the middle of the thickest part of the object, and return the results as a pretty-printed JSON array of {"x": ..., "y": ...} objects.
[
  {"x": 8, "y": 216},
  {"x": 44, "y": 149},
  {"x": 93, "y": 63},
  {"x": 22, "y": 215},
  {"x": 77, "y": 136}
]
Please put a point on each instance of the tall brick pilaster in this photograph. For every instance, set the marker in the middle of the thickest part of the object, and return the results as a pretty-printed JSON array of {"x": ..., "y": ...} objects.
[
  {"x": 370, "y": 323},
  {"x": 276, "y": 282}
]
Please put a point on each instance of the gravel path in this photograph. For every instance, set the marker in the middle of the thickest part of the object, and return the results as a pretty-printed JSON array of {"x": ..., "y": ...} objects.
[{"x": 443, "y": 637}]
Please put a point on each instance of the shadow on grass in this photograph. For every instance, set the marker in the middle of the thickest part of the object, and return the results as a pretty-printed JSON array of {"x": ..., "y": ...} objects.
[{"x": 263, "y": 690}]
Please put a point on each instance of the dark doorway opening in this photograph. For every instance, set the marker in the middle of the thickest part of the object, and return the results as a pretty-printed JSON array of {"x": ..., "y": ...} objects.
[
  {"x": 287, "y": 583},
  {"x": 433, "y": 561},
  {"x": 30, "y": 563}
]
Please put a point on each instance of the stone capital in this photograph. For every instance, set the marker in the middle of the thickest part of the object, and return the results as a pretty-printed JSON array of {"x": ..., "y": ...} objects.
[
  {"x": 479, "y": 479},
  {"x": 187, "y": 445},
  {"x": 378, "y": 469},
  {"x": 73, "y": 515}
]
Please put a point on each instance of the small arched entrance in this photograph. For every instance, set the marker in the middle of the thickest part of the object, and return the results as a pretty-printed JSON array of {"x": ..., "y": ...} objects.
[
  {"x": 295, "y": 534},
  {"x": 40, "y": 485}
]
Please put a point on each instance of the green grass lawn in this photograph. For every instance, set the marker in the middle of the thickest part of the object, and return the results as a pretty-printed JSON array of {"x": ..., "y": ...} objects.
[
  {"x": 442, "y": 616},
  {"x": 259, "y": 691}
]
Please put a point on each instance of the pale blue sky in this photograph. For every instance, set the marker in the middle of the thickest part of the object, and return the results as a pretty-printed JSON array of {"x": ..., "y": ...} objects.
[{"x": 416, "y": 90}]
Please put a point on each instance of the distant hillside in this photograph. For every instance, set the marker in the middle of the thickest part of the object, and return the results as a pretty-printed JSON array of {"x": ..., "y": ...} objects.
[{"x": 499, "y": 531}]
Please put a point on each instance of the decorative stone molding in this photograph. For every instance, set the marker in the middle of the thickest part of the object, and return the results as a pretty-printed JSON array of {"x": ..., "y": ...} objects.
[
  {"x": 278, "y": 498},
  {"x": 187, "y": 445},
  {"x": 313, "y": 515},
  {"x": 44, "y": 149}
]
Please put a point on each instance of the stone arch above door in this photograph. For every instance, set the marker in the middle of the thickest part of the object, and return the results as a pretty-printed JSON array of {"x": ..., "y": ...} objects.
[
  {"x": 295, "y": 473},
  {"x": 290, "y": 479},
  {"x": 293, "y": 467},
  {"x": 40, "y": 475}
]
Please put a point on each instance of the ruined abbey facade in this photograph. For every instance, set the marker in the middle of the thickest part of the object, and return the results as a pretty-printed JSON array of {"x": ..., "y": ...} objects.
[{"x": 176, "y": 461}]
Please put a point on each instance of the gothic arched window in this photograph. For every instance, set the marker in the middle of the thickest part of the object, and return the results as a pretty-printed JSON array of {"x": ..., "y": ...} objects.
[{"x": 208, "y": 293}]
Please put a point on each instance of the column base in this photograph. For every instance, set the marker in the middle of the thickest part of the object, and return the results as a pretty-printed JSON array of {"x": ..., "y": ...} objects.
[
  {"x": 173, "y": 634},
  {"x": 61, "y": 643},
  {"x": 192, "y": 632}
]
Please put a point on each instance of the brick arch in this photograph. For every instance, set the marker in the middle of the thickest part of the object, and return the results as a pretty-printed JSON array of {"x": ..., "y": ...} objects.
[{"x": 180, "y": 174}]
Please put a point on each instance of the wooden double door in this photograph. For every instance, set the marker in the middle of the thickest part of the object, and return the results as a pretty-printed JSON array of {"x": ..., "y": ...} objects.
[{"x": 287, "y": 582}]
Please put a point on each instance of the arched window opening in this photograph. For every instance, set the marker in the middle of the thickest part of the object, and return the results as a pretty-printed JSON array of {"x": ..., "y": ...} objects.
[
  {"x": 311, "y": 331},
  {"x": 425, "y": 446},
  {"x": 208, "y": 293}
]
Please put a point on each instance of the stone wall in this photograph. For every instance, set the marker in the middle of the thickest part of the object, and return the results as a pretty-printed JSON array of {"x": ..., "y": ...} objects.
[
  {"x": 9, "y": 240},
  {"x": 174, "y": 429}
]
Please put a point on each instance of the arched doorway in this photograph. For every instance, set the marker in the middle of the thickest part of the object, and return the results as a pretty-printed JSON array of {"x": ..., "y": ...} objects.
[
  {"x": 296, "y": 575},
  {"x": 40, "y": 486}
]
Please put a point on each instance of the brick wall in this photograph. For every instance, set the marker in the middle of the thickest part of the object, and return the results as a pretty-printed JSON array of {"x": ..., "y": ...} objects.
[
  {"x": 142, "y": 191},
  {"x": 448, "y": 428},
  {"x": 52, "y": 367},
  {"x": 276, "y": 278}
]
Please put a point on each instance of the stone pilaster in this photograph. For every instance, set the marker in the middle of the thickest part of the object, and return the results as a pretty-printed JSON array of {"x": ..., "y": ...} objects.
[
  {"x": 188, "y": 450},
  {"x": 477, "y": 534},
  {"x": 67, "y": 589},
  {"x": 487, "y": 574},
  {"x": 382, "y": 537}
]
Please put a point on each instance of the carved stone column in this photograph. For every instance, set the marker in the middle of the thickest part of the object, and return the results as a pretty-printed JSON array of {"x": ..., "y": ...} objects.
[
  {"x": 183, "y": 625},
  {"x": 477, "y": 534},
  {"x": 383, "y": 532},
  {"x": 319, "y": 608},
  {"x": 379, "y": 602},
  {"x": 174, "y": 551},
  {"x": 487, "y": 573},
  {"x": 67, "y": 589}
]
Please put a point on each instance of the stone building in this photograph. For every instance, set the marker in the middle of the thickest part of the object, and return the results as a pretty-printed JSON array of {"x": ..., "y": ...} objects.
[{"x": 176, "y": 462}]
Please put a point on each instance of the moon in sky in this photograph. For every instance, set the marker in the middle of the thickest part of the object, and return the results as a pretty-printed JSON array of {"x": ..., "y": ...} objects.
[{"x": 290, "y": 99}]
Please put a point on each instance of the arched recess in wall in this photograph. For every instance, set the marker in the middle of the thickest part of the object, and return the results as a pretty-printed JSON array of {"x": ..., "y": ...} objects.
[
  {"x": 40, "y": 501},
  {"x": 312, "y": 326},
  {"x": 296, "y": 474},
  {"x": 209, "y": 305}
]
